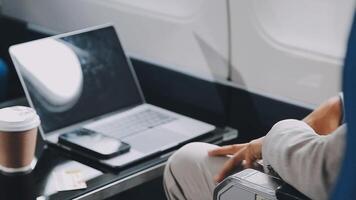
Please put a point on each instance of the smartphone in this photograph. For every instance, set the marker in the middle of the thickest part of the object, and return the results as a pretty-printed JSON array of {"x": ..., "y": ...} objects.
[{"x": 93, "y": 143}]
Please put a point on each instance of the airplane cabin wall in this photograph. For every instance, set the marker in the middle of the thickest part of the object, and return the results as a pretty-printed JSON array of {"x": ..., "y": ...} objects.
[
  {"x": 284, "y": 49},
  {"x": 189, "y": 36},
  {"x": 290, "y": 50}
]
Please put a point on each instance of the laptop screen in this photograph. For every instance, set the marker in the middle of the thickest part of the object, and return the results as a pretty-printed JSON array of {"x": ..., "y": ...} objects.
[{"x": 76, "y": 77}]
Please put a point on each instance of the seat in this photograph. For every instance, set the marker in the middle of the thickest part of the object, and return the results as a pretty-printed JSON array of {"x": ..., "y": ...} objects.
[{"x": 345, "y": 188}]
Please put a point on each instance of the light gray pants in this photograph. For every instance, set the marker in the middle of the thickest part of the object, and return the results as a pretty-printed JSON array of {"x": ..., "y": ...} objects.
[{"x": 189, "y": 173}]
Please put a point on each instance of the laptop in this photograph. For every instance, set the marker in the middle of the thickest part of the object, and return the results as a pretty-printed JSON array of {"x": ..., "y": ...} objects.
[{"x": 83, "y": 79}]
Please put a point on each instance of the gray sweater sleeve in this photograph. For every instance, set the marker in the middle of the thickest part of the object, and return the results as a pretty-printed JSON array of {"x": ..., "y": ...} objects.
[{"x": 302, "y": 158}]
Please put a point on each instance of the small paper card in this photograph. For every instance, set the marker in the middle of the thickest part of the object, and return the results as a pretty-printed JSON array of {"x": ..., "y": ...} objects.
[{"x": 69, "y": 179}]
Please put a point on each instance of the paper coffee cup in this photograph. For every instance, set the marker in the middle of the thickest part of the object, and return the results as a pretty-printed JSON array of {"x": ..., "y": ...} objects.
[{"x": 18, "y": 133}]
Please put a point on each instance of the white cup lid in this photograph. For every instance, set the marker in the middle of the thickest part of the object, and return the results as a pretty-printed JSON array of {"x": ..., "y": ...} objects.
[{"x": 18, "y": 118}]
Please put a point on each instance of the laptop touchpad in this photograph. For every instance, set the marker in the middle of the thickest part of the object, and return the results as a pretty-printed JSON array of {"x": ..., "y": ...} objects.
[{"x": 154, "y": 139}]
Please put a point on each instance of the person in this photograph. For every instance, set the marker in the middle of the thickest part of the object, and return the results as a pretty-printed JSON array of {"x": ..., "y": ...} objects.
[{"x": 304, "y": 153}]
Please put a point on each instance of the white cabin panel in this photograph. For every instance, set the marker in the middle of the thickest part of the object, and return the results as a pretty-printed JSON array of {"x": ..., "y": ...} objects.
[
  {"x": 189, "y": 36},
  {"x": 290, "y": 50}
]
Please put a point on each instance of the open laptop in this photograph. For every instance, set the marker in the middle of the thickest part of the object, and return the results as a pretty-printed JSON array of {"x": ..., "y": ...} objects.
[{"x": 83, "y": 79}]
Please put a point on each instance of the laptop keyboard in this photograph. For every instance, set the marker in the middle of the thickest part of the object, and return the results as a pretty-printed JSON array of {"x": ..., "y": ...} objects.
[{"x": 134, "y": 123}]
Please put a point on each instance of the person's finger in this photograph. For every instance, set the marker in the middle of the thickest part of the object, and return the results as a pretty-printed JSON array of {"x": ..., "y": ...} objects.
[
  {"x": 230, "y": 165},
  {"x": 249, "y": 156},
  {"x": 248, "y": 161},
  {"x": 226, "y": 150}
]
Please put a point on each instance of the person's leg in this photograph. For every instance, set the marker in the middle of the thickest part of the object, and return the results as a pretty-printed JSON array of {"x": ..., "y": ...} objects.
[{"x": 189, "y": 173}]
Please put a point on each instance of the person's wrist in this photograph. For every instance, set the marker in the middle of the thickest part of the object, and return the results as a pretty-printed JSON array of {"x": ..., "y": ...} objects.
[
  {"x": 309, "y": 120},
  {"x": 336, "y": 110}
]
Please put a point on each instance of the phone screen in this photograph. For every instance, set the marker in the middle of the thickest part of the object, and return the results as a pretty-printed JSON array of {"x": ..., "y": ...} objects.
[{"x": 94, "y": 142}]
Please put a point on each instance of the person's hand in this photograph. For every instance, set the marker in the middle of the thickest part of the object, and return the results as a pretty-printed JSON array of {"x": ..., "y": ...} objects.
[
  {"x": 248, "y": 152},
  {"x": 326, "y": 118}
]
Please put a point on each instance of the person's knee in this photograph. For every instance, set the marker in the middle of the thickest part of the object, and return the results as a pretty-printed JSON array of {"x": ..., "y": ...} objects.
[
  {"x": 185, "y": 162},
  {"x": 190, "y": 155},
  {"x": 190, "y": 170}
]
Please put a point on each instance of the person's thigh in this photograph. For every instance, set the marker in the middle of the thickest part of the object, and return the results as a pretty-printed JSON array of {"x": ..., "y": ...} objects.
[{"x": 189, "y": 173}]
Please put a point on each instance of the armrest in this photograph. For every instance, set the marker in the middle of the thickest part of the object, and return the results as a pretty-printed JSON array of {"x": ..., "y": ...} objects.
[
  {"x": 251, "y": 184},
  {"x": 248, "y": 184},
  {"x": 287, "y": 192}
]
